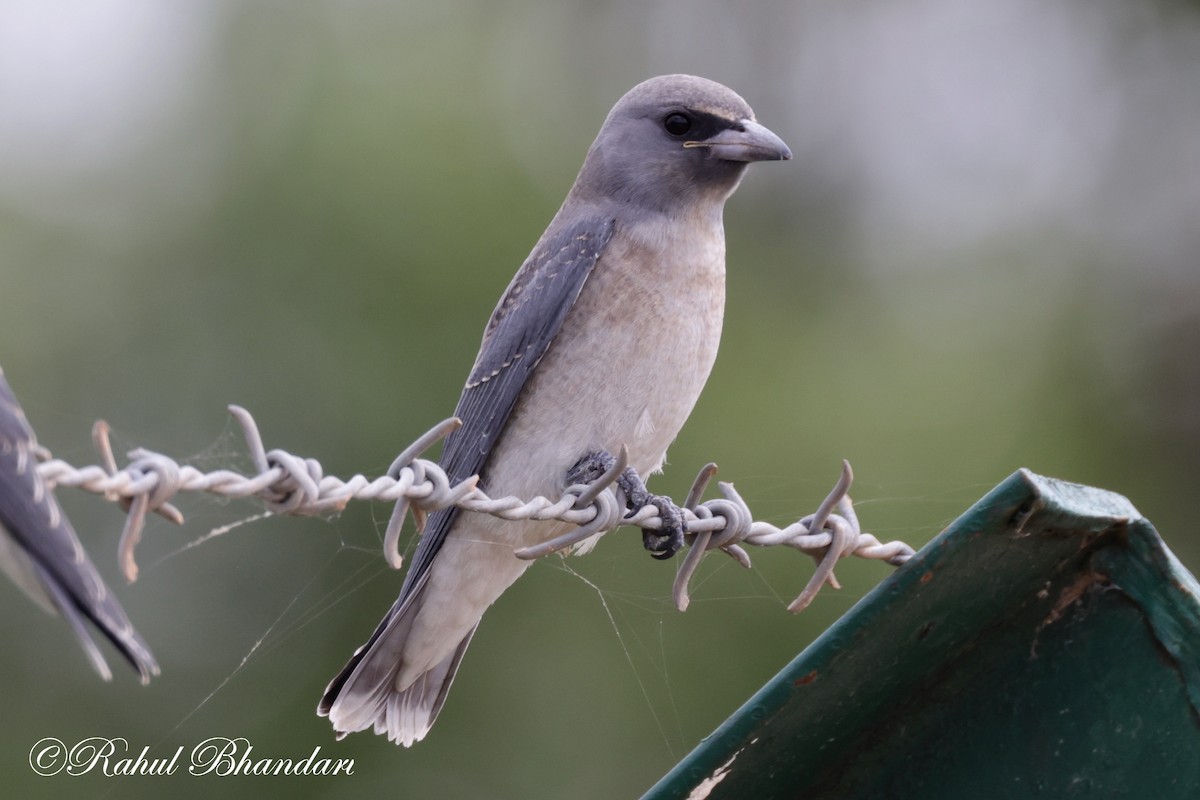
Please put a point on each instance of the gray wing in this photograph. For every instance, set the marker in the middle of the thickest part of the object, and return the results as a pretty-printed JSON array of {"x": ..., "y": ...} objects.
[
  {"x": 520, "y": 331},
  {"x": 41, "y": 553}
]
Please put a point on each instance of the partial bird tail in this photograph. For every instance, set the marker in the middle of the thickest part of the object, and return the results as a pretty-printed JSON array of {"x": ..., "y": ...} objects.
[
  {"x": 110, "y": 619},
  {"x": 364, "y": 694},
  {"x": 77, "y": 594}
]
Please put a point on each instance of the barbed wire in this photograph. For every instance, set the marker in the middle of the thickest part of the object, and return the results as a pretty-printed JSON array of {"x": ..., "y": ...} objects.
[{"x": 289, "y": 485}]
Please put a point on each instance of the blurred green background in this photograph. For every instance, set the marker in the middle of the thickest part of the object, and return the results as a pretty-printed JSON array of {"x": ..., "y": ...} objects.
[{"x": 983, "y": 257}]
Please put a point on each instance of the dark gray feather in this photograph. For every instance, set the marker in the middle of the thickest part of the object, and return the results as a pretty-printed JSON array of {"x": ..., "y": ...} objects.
[
  {"x": 520, "y": 331},
  {"x": 32, "y": 518}
]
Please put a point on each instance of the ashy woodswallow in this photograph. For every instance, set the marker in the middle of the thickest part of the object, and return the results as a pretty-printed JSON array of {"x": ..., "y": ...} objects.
[{"x": 604, "y": 338}]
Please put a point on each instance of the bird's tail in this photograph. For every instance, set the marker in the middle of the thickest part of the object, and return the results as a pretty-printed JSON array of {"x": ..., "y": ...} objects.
[
  {"x": 109, "y": 617},
  {"x": 364, "y": 693},
  {"x": 71, "y": 587}
]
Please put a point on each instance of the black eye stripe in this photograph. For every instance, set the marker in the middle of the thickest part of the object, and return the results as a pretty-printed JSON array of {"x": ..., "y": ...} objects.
[{"x": 696, "y": 125}]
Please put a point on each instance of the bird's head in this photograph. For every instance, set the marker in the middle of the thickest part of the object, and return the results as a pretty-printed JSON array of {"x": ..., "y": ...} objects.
[{"x": 674, "y": 141}]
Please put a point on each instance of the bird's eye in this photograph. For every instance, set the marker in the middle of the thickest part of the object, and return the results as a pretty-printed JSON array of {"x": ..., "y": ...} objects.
[{"x": 677, "y": 124}]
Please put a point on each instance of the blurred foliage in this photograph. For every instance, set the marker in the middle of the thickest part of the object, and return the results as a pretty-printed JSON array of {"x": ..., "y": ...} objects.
[{"x": 310, "y": 209}]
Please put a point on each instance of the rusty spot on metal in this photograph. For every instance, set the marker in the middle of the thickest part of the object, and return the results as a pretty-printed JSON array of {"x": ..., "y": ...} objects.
[
  {"x": 807, "y": 679},
  {"x": 1070, "y": 594},
  {"x": 927, "y": 577}
]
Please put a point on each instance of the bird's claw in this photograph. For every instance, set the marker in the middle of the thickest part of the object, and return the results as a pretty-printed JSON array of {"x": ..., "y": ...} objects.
[
  {"x": 662, "y": 543},
  {"x": 667, "y": 540}
]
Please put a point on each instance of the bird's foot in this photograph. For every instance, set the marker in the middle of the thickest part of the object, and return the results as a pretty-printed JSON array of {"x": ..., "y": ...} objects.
[
  {"x": 591, "y": 467},
  {"x": 662, "y": 543},
  {"x": 667, "y": 540}
]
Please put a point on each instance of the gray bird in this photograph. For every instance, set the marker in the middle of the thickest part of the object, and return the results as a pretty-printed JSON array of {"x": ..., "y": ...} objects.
[
  {"x": 604, "y": 338},
  {"x": 40, "y": 552}
]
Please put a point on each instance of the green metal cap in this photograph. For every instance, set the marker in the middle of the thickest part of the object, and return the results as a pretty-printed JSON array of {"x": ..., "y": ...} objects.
[{"x": 1046, "y": 644}]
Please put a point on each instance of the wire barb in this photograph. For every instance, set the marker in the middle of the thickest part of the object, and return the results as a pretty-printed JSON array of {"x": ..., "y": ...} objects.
[{"x": 294, "y": 486}]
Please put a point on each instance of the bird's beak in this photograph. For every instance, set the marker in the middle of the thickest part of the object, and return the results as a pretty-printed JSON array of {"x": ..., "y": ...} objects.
[{"x": 749, "y": 141}]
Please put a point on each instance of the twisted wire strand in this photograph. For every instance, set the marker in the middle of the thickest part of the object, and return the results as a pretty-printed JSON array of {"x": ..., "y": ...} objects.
[{"x": 290, "y": 485}]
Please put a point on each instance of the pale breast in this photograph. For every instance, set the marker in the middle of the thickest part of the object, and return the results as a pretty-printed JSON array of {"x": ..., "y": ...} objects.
[{"x": 627, "y": 366}]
